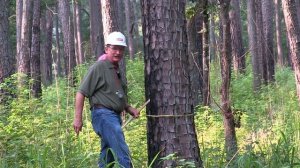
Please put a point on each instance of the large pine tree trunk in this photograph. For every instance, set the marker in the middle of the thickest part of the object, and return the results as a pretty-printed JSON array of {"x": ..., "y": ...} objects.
[
  {"x": 280, "y": 58},
  {"x": 293, "y": 30},
  {"x": 35, "y": 50},
  {"x": 171, "y": 128},
  {"x": 228, "y": 118},
  {"x": 237, "y": 40},
  {"x": 96, "y": 31}
]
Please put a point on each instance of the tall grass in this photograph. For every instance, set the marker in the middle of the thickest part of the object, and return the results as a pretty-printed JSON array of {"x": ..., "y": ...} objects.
[{"x": 39, "y": 133}]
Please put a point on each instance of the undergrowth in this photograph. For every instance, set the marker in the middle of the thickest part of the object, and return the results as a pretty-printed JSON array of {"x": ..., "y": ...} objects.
[{"x": 39, "y": 132}]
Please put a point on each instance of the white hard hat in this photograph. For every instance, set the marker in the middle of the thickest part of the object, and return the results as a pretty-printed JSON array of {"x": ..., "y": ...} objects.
[{"x": 116, "y": 38}]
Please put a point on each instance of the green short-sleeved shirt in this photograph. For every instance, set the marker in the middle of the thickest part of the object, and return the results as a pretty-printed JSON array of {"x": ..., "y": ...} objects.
[{"x": 103, "y": 86}]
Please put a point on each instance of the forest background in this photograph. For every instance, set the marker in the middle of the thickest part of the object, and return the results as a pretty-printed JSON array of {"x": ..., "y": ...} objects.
[{"x": 242, "y": 59}]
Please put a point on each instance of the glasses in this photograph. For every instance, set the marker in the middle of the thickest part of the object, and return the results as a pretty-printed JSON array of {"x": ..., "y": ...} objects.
[{"x": 116, "y": 48}]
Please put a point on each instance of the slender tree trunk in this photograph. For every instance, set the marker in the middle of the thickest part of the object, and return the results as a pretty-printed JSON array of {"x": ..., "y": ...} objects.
[
  {"x": 46, "y": 47},
  {"x": 171, "y": 128},
  {"x": 35, "y": 51},
  {"x": 57, "y": 59},
  {"x": 205, "y": 55},
  {"x": 7, "y": 60},
  {"x": 212, "y": 36},
  {"x": 129, "y": 26},
  {"x": 260, "y": 43},
  {"x": 236, "y": 35},
  {"x": 19, "y": 9},
  {"x": 195, "y": 55},
  {"x": 293, "y": 30},
  {"x": 68, "y": 37},
  {"x": 96, "y": 31},
  {"x": 77, "y": 32},
  {"x": 228, "y": 118},
  {"x": 253, "y": 43},
  {"x": 110, "y": 24},
  {"x": 24, "y": 56},
  {"x": 268, "y": 17},
  {"x": 280, "y": 58}
]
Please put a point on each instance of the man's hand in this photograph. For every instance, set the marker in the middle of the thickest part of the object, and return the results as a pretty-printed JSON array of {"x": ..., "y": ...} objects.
[
  {"x": 77, "y": 124},
  {"x": 133, "y": 111}
]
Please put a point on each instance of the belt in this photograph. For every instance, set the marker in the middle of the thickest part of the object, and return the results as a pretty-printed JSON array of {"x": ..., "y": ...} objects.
[{"x": 100, "y": 106}]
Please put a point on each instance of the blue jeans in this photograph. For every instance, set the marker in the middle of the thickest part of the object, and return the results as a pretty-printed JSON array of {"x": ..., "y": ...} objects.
[{"x": 114, "y": 150}]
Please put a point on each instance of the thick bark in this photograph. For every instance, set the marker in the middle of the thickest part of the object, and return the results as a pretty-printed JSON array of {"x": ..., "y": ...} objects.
[
  {"x": 280, "y": 58},
  {"x": 96, "y": 31},
  {"x": 228, "y": 118},
  {"x": 205, "y": 55},
  {"x": 293, "y": 31},
  {"x": 236, "y": 36},
  {"x": 268, "y": 17},
  {"x": 171, "y": 127},
  {"x": 35, "y": 50}
]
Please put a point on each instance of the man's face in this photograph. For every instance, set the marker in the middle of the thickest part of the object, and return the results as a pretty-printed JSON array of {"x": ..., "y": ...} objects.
[{"x": 114, "y": 53}]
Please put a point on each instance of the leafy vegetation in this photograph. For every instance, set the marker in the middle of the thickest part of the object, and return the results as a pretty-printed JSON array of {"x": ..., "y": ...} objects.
[{"x": 39, "y": 132}]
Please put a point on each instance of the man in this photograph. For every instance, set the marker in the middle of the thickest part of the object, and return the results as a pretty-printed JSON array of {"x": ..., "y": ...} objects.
[{"x": 105, "y": 90}]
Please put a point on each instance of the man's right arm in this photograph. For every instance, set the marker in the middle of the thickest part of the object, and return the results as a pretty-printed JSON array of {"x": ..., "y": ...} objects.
[{"x": 79, "y": 103}]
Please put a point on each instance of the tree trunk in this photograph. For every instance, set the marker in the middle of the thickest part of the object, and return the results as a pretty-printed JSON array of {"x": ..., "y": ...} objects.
[
  {"x": 19, "y": 9},
  {"x": 280, "y": 58},
  {"x": 228, "y": 118},
  {"x": 24, "y": 56},
  {"x": 68, "y": 37},
  {"x": 35, "y": 50},
  {"x": 293, "y": 31},
  {"x": 194, "y": 25},
  {"x": 236, "y": 35},
  {"x": 46, "y": 47},
  {"x": 260, "y": 43},
  {"x": 268, "y": 17},
  {"x": 253, "y": 43},
  {"x": 57, "y": 58},
  {"x": 110, "y": 24},
  {"x": 7, "y": 60},
  {"x": 96, "y": 31},
  {"x": 171, "y": 127},
  {"x": 129, "y": 26},
  {"x": 77, "y": 33},
  {"x": 205, "y": 55}
]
